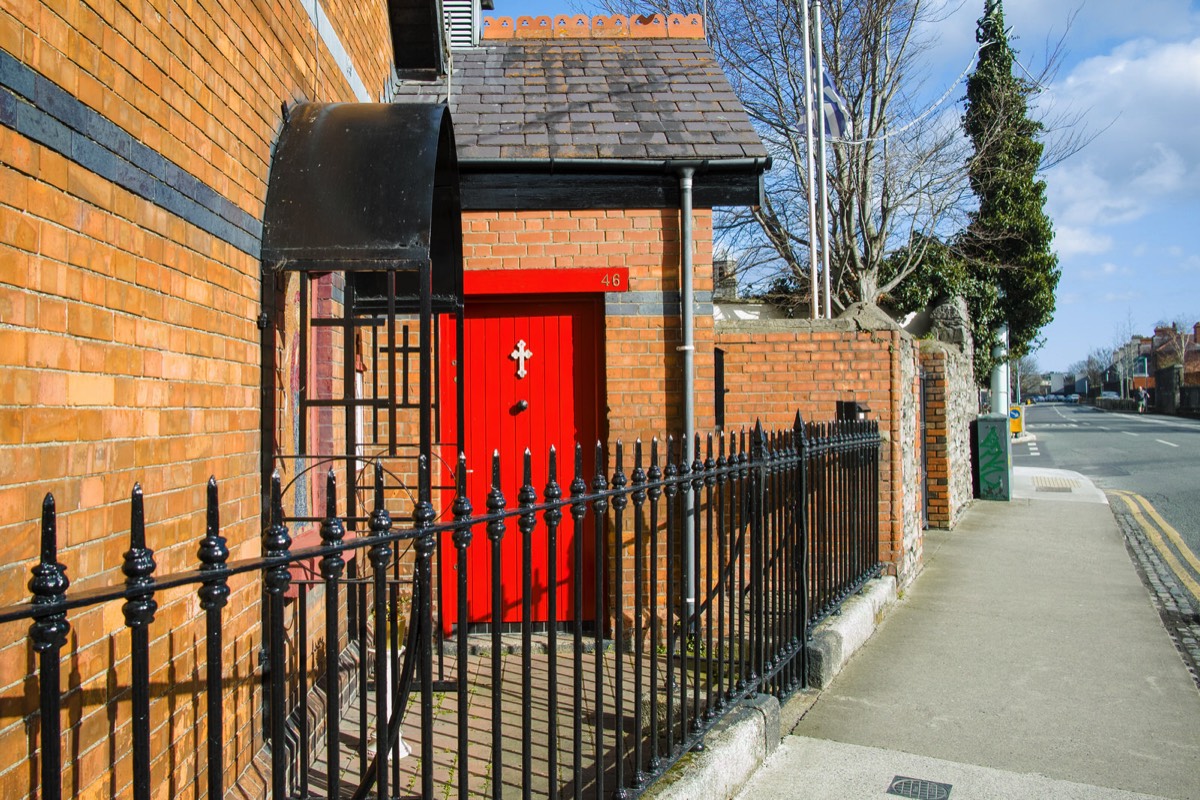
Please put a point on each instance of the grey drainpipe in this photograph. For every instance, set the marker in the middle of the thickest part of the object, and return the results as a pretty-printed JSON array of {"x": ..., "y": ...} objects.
[
  {"x": 688, "y": 320},
  {"x": 686, "y": 170}
]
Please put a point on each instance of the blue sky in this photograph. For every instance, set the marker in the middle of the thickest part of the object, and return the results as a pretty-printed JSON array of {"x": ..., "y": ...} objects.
[{"x": 1126, "y": 208}]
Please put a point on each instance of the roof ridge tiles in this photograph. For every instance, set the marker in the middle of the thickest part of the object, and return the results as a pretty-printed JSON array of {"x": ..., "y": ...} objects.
[
  {"x": 540, "y": 96},
  {"x": 580, "y": 26}
]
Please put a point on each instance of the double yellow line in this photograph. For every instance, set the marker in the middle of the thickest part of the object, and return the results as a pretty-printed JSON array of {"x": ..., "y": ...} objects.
[{"x": 1156, "y": 527}]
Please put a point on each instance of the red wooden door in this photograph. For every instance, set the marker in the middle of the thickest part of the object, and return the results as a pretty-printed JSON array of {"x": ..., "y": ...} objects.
[{"x": 556, "y": 344}]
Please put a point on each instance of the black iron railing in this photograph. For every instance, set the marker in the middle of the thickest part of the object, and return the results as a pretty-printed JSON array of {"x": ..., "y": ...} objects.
[{"x": 784, "y": 526}]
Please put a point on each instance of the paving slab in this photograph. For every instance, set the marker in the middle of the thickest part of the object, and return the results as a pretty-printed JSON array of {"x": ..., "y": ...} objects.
[
  {"x": 1028, "y": 645},
  {"x": 818, "y": 769}
]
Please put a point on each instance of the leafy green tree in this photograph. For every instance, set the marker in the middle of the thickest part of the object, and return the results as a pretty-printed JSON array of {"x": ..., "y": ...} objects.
[
  {"x": 942, "y": 273},
  {"x": 1008, "y": 242}
]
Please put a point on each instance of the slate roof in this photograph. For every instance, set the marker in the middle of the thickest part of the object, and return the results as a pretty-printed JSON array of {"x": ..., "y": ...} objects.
[{"x": 594, "y": 98}]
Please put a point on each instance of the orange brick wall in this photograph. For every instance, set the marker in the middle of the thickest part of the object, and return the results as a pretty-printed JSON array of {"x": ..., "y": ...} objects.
[
  {"x": 938, "y": 477},
  {"x": 643, "y": 369},
  {"x": 128, "y": 345},
  {"x": 774, "y": 368},
  {"x": 950, "y": 404}
]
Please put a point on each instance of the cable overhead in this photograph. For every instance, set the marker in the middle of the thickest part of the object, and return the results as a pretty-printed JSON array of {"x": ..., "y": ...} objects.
[{"x": 962, "y": 75}]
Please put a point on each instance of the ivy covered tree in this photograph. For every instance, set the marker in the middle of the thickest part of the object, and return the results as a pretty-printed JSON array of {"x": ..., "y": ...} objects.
[
  {"x": 1008, "y": 241},
  {"x": 942, "y": 273}
]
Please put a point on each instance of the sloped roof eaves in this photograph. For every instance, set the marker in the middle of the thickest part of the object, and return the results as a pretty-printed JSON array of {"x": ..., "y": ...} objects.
[{"x": 628, "y": 99}]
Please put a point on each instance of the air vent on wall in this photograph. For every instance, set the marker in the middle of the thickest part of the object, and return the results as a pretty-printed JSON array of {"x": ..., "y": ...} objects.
[{"x": 461, "y": 18}]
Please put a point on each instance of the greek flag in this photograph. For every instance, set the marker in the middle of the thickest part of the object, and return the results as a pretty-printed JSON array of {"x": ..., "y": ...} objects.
[{"x": 837, "y": 112}]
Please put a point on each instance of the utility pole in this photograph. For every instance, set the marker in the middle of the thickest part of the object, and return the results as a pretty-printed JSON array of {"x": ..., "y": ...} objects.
[{"x": 1000, "y": 372}]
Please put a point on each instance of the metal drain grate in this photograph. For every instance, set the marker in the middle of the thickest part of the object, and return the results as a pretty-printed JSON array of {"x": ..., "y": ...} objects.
[
  {"x": 918, "y": 788},
  {"x": 1045, "y": 483}
]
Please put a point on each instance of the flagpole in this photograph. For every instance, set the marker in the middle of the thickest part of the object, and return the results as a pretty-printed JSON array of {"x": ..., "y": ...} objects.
[
  {"x": 809, "y": 117},
  {"x": 820, "y": 84}
]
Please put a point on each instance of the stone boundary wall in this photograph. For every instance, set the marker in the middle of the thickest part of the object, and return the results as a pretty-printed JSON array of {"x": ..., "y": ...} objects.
[{"x": 775, "y": 367}]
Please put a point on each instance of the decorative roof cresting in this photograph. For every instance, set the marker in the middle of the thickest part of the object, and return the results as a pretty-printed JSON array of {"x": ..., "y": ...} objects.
[{"x": 581, "y": 26}]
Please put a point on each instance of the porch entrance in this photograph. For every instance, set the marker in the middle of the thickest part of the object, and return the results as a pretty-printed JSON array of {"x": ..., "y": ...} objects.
[{"x": 533, "y": 379}]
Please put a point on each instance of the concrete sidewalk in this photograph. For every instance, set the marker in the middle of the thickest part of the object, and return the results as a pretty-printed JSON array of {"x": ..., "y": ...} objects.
[{"x": 1026, "y": 661}]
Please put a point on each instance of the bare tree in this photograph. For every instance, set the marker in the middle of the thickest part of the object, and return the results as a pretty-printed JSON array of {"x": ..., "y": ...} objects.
[
  {"x": 1029, "y": 376},
  {"x": 895, "y": 188},
  {"x": 1126, "y": 350},
  {"x": 900, "y": 175},
  {"x": 1093, "y": 367}
]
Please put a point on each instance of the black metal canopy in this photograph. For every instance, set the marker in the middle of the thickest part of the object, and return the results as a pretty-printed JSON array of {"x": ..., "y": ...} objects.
[
  {"x": 369, "y": 191},
  {"x": 367, "y": 187}
]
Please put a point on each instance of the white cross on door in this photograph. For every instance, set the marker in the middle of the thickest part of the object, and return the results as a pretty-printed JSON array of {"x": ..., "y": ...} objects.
[{"x": 521, "y": 354}]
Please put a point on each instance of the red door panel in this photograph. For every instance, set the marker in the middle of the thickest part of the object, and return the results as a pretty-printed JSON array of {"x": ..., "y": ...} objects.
[{"x": 554, "y": 403}]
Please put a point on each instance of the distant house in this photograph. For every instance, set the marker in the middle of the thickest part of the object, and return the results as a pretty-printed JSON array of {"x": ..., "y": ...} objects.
[
  {"x": 1165, "y": 351},
  {"x": 1130, "y": 367}
]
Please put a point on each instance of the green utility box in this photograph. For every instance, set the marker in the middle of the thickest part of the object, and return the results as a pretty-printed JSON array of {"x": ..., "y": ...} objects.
[{"x": 991, "y": 451}]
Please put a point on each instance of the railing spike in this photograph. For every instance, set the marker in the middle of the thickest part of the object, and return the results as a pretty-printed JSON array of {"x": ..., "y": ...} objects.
[
  {"x": 495, "y": 501},
  {"x": 654, "y": 474},
  {"x": 553, "y": 492},
  {"x": 380, "y": 524},
  {"x": 139, "y": 612},
  {"x": 333, "y": 531},
  {"x": 599, "y": 483},
  {"x": 213, "y": 553},
  {"x": 48, "y": 586},
  {"x": 462, "y": 504},
  {"x": 578, "y": 484}
]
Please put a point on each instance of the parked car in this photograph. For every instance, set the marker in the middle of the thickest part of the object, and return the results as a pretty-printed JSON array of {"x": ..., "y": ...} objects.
[
  {"x": 1072, "y": 398},
  {"x": 1109, "y": 396}
]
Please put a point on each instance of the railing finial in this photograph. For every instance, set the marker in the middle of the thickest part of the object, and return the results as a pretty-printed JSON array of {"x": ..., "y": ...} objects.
[
  {"x": 213, "y": 553},
  {"x": 553, "y": 492},
  {"x": 49, "y": 585},
  {"x": 333, "y": 531},
  {"x": 139, "y": 566},
  {"x": 276, "y": 541},
  {"x": 380, "y": 524},
  {"x": 495, "y": 502}
]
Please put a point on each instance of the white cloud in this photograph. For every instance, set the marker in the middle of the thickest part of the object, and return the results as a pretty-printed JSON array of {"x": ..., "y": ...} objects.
[
  {"x": 1079, "y": 241},
  {"x": 1079, "y": 197},
  {"x": 1141, "y": 99},
  {"x": 1081, "y": 27},
  {"x": 1163, "y": 171},
  {"x": 1094, "y": 22},
  {"x": 1105, "y": 271}
]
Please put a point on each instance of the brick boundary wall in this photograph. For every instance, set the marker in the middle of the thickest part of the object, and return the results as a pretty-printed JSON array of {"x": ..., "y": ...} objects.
[
  {"x": 775, "y": 367},
  {"x": 951, "y": 403}
]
